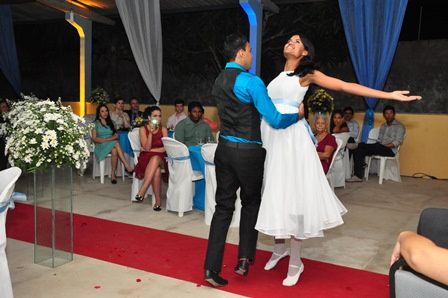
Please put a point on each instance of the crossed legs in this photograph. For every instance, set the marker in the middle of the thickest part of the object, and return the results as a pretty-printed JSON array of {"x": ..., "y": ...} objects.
[
  {"x": 152, "y": 177},
  {"x": 117, "y": 153}
]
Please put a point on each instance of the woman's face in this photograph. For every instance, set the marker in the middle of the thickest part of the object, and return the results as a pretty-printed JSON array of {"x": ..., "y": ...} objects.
[
  {"x": 294, "y": 47},
  {"x": 337, "y": 119},
  {"x": 119, "y": 105},
  {"x": 156, "y": 115},
  {"x": 321, "y": 125},
  {"x": 104, "y": 112}
]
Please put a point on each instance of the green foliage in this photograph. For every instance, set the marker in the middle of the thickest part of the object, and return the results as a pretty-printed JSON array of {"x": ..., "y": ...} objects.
[{"x": 320, "y": 101}]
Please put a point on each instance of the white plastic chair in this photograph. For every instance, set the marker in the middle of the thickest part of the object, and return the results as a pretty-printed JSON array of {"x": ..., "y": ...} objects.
[
  {"x": 8, "y": 179},
  {"x": 371, "y": 139},
  {"x": 179, "y": 195},
  {"x": 134, "y": 139},
  {"x": 334, "y": 171},
  {"x": 100, "y": 168},
  {"x": 389, "y": 168},
  {"x": 373, "y": 135},
  {"x": 341, "y": 162},
  {"x": 208, "y": 153}
]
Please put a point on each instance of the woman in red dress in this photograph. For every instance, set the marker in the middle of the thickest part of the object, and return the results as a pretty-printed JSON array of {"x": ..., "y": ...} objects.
[{"x": 152, "y": 155}]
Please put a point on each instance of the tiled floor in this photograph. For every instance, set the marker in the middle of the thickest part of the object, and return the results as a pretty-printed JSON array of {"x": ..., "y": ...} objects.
[{"x": 376, "y": 214}]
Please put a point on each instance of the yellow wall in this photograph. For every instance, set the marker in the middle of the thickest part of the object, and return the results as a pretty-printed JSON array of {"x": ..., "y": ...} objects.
[
  {"x": 423, "y": 150},
  {"x": 425, "y": 146}
]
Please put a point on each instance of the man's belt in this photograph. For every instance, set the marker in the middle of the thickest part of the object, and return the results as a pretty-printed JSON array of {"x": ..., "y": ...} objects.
[{"x": 238, "y": 145}]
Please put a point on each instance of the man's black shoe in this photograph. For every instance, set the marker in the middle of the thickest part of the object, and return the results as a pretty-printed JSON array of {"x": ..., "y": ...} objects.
[
  {"x": 214, "y": 279},
  {"x": 242, "y": 268}
]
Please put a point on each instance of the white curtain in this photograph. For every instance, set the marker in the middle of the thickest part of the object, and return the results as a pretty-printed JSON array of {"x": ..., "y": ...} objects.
[{"x": 141, "y": 20}]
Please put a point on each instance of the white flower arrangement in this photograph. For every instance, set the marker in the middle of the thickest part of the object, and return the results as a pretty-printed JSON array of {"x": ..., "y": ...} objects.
[{"x": 41, "y": 133}]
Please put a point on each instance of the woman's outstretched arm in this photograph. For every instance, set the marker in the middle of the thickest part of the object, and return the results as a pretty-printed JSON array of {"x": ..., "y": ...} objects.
[{"x": 335, "y": 84}]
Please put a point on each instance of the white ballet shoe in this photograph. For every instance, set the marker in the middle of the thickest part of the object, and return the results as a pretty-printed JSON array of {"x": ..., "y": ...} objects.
[
  {"x": 292, "y": 280},
  {"x": 275, "y": 258}
]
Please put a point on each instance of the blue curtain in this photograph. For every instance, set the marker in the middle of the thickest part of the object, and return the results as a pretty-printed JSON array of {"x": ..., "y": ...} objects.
[
  {"x": 372, "y": 29},
  {"x": 9, "y": 64}
]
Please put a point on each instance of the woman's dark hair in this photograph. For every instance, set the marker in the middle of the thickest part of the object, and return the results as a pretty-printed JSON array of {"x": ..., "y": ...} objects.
[
  {"x": 332, "y": 122},
  {"x": 195, "y": 104},
  {"x": 108, "y": 119},
  {"x": 232, "y": 44},
  {"x": 307, "y": 64},
  {"x": 148, "y": 111},
  {"x": 118, "y": 99}
]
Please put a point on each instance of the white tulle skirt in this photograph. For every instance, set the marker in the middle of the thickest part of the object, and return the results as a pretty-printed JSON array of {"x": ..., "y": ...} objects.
[{"x": 297, "y": 199}]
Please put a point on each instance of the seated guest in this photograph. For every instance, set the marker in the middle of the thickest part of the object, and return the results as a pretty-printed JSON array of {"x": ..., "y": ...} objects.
[
  {"x": 326, "y": 142},
  {"x": 353, "y": 126},
  {"x": 134, "y": 112},
  {"x": 193, "y": 130},
  {"x": 390, "y": 137},
  {"x": 178, "y": 116},
  {"x": 422, "y": 255},
  {"x": 105, "y": 138},
  {"x": 152, "y": 155},
  {"x": 4, "y": 108},
  {"x": 338, "y": 124},
  {"x": 119, "y": 117}
]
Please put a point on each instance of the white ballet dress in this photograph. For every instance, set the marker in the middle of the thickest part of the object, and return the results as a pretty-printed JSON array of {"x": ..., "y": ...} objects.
[{"x": 296, "y": 197}]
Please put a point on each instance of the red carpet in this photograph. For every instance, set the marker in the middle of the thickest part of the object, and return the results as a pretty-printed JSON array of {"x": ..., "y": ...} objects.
[{"x": 180, "y": 256}]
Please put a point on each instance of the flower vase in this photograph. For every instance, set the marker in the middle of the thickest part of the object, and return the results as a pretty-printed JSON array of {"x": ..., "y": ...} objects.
[{"x": 53, "y": 216}]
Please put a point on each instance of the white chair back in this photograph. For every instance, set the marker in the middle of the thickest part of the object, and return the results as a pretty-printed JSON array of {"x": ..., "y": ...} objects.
[
  {"x": 179, "y": 196},
  {"x": 208, "y": 153},
  {"x": 8, "y": 179},
  {"x": 343, "y": 136},
  {"x": 336, "y": 152},
  {"x": 373, "y": 135},
  {"x": 134, "y": 139},
  {"x": 336, "y": 169}
]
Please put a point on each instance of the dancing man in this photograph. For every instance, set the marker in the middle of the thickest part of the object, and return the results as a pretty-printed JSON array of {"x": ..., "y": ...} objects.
[{"x": 241, "y": 99}]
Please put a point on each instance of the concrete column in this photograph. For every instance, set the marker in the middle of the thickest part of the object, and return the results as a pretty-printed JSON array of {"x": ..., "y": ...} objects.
[
  {"x": 84, "y": 29},
  {"x": 254, "y": 11}
]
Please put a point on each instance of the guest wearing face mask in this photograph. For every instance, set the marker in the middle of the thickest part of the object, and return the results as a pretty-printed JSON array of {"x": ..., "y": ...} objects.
[{"x": 152, "y": 156}]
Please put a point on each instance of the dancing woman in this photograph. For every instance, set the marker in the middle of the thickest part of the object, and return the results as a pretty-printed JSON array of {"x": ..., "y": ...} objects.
[{"x": 297, "y": 201}]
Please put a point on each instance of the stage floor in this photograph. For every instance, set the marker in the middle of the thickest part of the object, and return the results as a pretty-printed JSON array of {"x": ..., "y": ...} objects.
[{"x": 376, "y": 214}]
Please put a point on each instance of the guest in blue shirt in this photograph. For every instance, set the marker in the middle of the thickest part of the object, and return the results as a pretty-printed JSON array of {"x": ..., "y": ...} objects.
[{"x": 242, "y": 100}]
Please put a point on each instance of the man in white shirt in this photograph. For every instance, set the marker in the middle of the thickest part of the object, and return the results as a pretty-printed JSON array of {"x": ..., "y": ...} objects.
[
  {"x": 353, "y": 126},
  {"x": 178, "y": 116}
]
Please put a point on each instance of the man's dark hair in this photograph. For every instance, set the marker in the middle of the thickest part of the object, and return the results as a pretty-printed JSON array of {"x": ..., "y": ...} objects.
[
  {"x": 233, "y": 43},
  {"x": 133, "y": 98},
  {"x": 179, "y": 101},
  {"x": 195, "y": 104},
  {"x": 388, "y": 108},
  {"x": 349, "y": 109}
]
